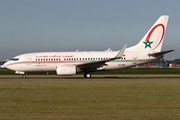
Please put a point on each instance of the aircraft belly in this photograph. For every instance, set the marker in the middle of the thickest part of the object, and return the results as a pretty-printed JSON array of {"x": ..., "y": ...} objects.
[
  {"x": 117, "y": 65},
  {"x": 33, "y": 68}
]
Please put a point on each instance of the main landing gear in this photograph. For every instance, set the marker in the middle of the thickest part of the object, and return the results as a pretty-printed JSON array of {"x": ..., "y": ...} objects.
[{"x": 87, "y": 75}]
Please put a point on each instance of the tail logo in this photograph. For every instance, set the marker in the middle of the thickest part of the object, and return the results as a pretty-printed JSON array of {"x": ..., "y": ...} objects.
[{"x": 148, "y": 43}]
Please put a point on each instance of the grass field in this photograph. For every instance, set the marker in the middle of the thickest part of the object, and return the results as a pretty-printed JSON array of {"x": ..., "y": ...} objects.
[{"x": 92, "y": 99}]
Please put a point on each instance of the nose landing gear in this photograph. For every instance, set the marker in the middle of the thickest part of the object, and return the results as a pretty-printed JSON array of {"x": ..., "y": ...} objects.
[{"x": 24, "y": 76}]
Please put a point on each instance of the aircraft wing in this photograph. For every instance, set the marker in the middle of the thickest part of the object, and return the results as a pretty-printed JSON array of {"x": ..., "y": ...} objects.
[
  {"x": 160, "y": 53},
  {"x": 97, "y": 64}
]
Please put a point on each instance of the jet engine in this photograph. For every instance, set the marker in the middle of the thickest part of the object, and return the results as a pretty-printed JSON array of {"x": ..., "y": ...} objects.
[{"x": 66, "y": 70}]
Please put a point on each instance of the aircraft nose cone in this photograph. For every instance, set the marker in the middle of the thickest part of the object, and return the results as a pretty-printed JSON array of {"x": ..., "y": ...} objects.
[
  {"x": 2, "y": 66},
  {"x": 5, "y": 65}
]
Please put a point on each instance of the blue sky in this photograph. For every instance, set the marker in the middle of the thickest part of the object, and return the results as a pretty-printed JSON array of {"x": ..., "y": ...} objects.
[{"x": 88, "y": 25}]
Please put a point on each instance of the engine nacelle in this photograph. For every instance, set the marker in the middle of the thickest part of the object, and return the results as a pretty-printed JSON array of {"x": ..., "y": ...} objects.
[{"x": 66, "y": 70}]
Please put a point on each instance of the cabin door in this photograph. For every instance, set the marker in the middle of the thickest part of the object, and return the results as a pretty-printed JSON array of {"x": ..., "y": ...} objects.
[
  {"x": 134, "y": 58},
  {"x": 28, "y": 60}
]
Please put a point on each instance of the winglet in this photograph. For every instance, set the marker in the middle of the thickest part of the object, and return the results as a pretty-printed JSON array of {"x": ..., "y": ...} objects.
[{"x": 121, "y": 52}]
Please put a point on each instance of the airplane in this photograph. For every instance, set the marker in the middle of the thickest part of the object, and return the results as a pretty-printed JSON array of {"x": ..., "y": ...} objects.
[{"x": 70, "y": 63}]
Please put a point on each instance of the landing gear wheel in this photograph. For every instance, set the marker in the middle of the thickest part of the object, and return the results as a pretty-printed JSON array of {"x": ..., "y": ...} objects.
[
  {"x": 24, "y": 76},
  {"x": 87, "y": 75}
]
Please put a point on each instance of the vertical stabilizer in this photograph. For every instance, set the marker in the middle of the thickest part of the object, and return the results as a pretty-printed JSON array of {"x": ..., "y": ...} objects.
[{"x": 153, "y": 40}]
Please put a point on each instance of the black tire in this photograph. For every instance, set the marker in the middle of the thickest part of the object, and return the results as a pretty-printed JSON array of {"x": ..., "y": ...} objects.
[
  {"x": 87, "y": 75},
  {"x": 24, "y": 76}
]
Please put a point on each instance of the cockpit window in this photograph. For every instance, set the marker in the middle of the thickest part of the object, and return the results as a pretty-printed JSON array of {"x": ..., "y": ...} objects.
[{"x": 15, "y": 59}]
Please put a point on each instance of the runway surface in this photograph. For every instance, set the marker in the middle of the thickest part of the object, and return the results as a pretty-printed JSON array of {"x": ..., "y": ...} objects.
[{"x": 100, "y": 78}]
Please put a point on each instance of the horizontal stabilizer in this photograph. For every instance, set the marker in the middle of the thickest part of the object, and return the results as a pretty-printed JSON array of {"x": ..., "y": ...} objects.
[{"x": 160, "y": 53}]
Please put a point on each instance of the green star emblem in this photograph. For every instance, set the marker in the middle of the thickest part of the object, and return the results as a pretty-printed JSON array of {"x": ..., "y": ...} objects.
[{"x": 147, "y": 43}]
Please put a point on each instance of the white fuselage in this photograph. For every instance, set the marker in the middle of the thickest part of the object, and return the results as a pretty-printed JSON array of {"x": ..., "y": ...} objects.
[
  {"x": 69, "y": 63},
  {"x": 48, "y": 61}
]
